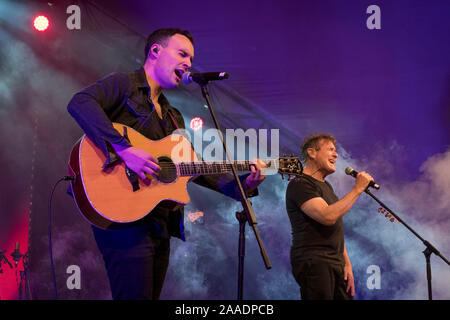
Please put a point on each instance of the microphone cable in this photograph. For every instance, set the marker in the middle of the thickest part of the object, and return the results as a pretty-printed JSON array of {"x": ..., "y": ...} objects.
[{"x": 49, "y": 226}]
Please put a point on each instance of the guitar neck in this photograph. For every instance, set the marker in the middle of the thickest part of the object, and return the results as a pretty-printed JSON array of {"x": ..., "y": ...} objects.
[{"x": 214, "y": 167}]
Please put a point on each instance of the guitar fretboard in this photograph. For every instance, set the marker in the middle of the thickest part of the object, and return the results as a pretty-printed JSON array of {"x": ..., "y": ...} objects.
[{"x": 204, "y": 168}]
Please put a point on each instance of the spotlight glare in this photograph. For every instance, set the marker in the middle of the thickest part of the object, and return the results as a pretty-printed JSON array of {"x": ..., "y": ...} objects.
[
  {"x": 196, "y": 123},
  {"x": 41, "y": 23}
]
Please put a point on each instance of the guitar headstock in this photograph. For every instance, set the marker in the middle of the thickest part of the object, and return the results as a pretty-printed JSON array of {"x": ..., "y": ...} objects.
[
  {"x": 387, "y": 214},
  {"x": 291, "y": 166}
]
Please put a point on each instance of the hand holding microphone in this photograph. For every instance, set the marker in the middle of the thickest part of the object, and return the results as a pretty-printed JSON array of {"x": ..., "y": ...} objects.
[{"x": 363, "y": 179}]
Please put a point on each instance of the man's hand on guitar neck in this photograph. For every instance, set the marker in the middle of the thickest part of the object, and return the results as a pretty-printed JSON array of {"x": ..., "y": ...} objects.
[
  {"x": 138, "y": 160},
  {"x": 256, "y": 177}
]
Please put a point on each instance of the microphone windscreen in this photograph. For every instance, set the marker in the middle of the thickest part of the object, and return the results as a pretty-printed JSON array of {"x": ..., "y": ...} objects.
[
  {"x": 349, "y": 170},
  {"x": 186, "y": 77}
]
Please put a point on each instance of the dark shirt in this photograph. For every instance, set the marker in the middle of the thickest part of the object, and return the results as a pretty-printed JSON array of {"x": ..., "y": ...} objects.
[
  {"x": 125, "y": 99},
  {"x": 311, "y": 239}
]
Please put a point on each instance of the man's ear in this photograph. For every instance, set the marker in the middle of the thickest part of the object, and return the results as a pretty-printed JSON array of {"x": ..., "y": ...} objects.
[
  {"x": 154, "y": 50},
  {"x": 311, "y": 153}
]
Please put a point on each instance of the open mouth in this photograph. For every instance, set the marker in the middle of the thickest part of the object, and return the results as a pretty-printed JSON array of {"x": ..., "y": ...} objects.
[{"x": 178, "y": 73}]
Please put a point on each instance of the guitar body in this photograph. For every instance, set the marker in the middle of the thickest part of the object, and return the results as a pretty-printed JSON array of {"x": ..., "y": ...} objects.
[{"x": 105, "y": 197}]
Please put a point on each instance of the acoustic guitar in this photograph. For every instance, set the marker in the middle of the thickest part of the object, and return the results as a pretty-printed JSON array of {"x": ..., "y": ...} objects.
[{"x": 112, "y": 197}]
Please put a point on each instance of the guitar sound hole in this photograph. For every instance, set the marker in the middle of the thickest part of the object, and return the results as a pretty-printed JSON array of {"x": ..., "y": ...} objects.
[{"x": 168, "y": 171}]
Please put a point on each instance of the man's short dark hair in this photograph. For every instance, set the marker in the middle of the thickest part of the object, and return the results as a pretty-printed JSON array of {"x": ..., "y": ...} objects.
[
  {"x": 162, "y": 36},
  {"x": 313, "y": 141}
]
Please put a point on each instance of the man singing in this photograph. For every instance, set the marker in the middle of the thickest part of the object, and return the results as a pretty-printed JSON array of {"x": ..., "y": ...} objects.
[
  {"x": 319, "y": 258},
  {"x": 137, "y": 257}
]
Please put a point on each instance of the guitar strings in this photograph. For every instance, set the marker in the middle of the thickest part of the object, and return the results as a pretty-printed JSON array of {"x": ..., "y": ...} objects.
[{"x": 203, "y": 165}]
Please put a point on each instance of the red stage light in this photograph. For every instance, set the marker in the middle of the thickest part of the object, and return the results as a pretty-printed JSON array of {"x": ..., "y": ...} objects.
[{"x": 41, "y": 23}]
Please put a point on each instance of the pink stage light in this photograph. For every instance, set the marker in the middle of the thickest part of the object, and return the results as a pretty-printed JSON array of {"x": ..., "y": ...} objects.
[{"x": 196, "y": 123}]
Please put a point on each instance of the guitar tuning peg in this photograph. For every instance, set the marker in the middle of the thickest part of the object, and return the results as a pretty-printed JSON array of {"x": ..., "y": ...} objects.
[{"x": 392, "y": 220}]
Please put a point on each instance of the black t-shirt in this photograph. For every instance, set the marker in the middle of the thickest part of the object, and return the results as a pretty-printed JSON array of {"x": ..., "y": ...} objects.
[{"x": 311, "y": 239}]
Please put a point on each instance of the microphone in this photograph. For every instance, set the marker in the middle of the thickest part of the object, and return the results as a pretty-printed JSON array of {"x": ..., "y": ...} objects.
[
  {"x": 16, "y": 255},
  {"x": 352, "y": 172},
  {"x": 204, "y": 77}
]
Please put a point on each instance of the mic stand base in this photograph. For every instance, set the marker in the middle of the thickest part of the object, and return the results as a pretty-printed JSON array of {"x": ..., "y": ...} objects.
[
  {"x": 427, "y": 252},
  {"x": 241, "y": 217}
]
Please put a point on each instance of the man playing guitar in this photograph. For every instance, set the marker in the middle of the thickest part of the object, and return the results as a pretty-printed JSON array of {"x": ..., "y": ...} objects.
[{"x": 137, "y": 256}]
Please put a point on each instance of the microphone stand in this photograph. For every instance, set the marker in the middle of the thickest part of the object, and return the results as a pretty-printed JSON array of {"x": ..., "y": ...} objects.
[
  {"x": 17, "y": 256},
  {"x": 3, "y": 258},
  {"x": 247, "y": 215},
  {"x": 429, "y": 247}
]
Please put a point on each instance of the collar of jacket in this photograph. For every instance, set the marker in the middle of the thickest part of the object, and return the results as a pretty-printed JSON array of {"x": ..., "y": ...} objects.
[{"x": 141, "y": 83}]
